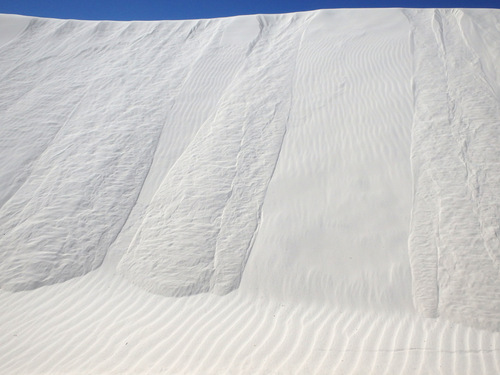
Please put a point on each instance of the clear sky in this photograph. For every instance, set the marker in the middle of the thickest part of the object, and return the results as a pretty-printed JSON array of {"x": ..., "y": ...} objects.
[{"x": 185, "y": 9}]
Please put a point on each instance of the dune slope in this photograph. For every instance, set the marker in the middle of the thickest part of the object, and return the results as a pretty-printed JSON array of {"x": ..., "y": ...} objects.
[{"x": 302, "y": 193}]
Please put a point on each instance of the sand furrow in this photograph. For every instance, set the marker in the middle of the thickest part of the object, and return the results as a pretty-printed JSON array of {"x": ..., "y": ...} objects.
[
  {"x": 241, "y": 360},
  {"x": 495, "y": 346},
  {"x": 206, "y": 335},
  {"x": 238, "y": 335},
  {"x": 207, "y": 322},
  {"x": 310, "y": 332},
  {"x": 194, "y": 104},
  {"x": 178, "y": 332},
  {"x": 214, "y": 330},
  {"x": 147, "y": 352},
  {"x": 115, "y": 193},
  {"x": 452, "y": 245},
  {"x": 144, "y": 352},
  {"x": 281, "y": 317},
  {"x": 357, "y": 358},
  {"x": 337, "y": 340},
  {"x": 111, "y": 354},
  {"x": 335, "y": 123},
  {"x": 319, "y": 336},
  {"x": 379, "y": 335},
  {"x": 272, "y": 157},
  {"x": 287, "y": 358},
  {"x": 395, "y": 332},
  {"x": 225, "y": 207}
]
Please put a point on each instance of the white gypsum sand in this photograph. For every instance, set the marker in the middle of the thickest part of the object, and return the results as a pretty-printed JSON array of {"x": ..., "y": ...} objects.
[
  {"x": 11, "y": 26},
  {"x": 309, "y": 193}
]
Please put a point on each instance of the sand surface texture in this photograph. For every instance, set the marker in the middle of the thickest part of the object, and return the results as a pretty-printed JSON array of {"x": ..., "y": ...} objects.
[{"x": 309, "y": 193}]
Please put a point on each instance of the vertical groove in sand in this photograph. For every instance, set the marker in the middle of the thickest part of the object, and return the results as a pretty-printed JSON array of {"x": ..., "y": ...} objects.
[
  {"x": 454, "y": 246},
  {"x": 326, "y": 288},
  {"x": 88, "y": 219},
  {"x": 204, "y": 214},
  {"x": 339, "y": 111}
]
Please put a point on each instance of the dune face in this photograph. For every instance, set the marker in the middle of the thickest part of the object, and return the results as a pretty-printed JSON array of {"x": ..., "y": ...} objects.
[
  {"x": 205, "y": 213},
  {"x": 454, "y": 245},
  {"x": 303, "y": 193}
]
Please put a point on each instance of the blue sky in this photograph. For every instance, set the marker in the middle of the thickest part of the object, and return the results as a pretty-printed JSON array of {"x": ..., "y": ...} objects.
[{"x": 182, "y": 9}]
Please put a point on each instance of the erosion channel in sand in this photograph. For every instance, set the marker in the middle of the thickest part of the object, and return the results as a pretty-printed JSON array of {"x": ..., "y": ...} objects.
[{"x": 309, "y": 193}]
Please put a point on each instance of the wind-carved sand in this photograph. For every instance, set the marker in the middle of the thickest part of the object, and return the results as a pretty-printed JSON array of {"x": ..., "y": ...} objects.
[
  {"x": 311, "y": 193},
  {"x": 205, "y": 213},
  {"x": 454, "y": 245}
]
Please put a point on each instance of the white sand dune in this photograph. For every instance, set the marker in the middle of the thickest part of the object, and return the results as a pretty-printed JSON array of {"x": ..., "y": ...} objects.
[
  {"x": 454, "y": 244},
  {"x": 309, "y": 193},
  {"x": 11, "y": 26}
]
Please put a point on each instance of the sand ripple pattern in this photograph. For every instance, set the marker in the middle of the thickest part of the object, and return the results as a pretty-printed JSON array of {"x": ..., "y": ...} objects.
[
  {"x": 264, "y": 159},
  {"x": 101, "y": 324},
  {"x": 336, "y": 214},
  {"x": 200, "y": 224},
  {"x": 454, "y": 240},
  {"x": 88, "y": 163}
]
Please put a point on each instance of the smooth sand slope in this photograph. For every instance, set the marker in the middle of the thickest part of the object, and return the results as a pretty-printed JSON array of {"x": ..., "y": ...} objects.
[{"x": 310, "y": 193}]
